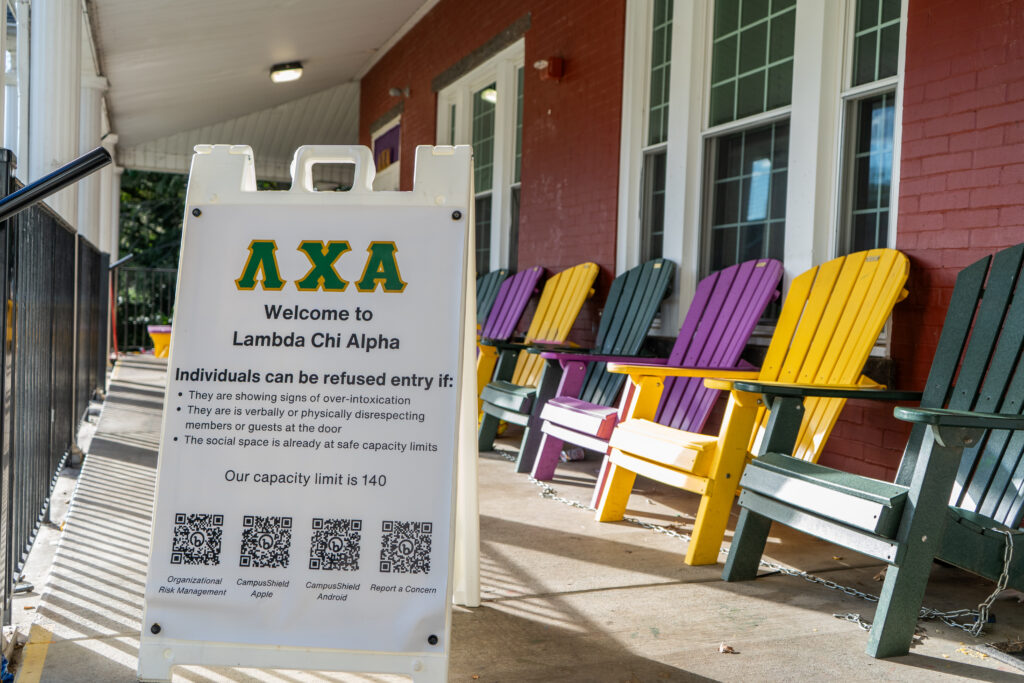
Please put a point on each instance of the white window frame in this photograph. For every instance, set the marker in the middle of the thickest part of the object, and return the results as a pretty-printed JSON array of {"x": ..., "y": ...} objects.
[
  {"x": 389, "y": 178},
  {"x": 815, "y": 170},
  {"x": 849, "y": 96},
  {"x": 500, "y": 70}
]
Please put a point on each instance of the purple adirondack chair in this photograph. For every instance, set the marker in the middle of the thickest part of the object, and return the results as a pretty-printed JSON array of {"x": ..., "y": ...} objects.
[
  {"x": 721, "y": 318},
  {"x": 508, "y": 307}
]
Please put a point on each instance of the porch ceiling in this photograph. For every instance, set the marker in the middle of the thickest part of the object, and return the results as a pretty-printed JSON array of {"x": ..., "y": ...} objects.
[{"x": 192, "y": 71}]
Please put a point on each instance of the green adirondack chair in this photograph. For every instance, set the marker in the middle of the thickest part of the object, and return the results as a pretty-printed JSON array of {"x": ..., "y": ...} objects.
[
  {"x": 959, "y": 492},
  {"x": 633, "y": 300},
  {"x": 487, "y": 287}
]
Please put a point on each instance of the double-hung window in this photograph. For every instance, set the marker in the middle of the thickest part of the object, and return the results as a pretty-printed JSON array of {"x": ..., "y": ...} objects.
[
  {"x": 869, "y": 110},
  {"x": 484, "y": 109},
  {"x": 778, "y": 137},
  {"x": 747, "y": 134},
  {"x": 655, "y": 152}
]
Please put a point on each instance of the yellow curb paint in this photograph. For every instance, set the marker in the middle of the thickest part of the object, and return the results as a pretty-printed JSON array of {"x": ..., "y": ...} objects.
[{"x": 34, "y": 656}]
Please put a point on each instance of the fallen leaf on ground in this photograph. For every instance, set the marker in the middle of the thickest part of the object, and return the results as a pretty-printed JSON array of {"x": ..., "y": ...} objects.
[
  {"x": 836, "y": 557},
  {"x": 726, "y": 649}
]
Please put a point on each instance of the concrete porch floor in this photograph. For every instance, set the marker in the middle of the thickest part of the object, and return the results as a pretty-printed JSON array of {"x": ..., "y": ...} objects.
[{"x": 564, "y": 598}]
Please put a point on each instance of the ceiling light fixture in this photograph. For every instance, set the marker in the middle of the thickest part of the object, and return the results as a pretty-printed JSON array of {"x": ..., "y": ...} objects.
[
  {"x": 282, "y": 73},
  {"x": 489, "y": 95}
]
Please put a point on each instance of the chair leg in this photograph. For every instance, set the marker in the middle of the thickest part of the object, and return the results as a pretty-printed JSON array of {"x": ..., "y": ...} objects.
[
  {"x": 546, "y": 390},
  {"x": 612, "y": 506},
  {"x": 488, "y": 432},
  {"x": 485, "y": 363},
  {"x": 601, "y": 483},
  {"x": 528, "y": 448},
  {"x": 747, "y": 546},
  {"x": 709, "y": 528},
  {"x": 547, "y": 458},
  {"x": 899, "y": 606}
]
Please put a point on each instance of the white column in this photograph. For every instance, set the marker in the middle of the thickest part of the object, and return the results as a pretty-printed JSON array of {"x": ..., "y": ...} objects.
[
  {"x": 54, "y": 94},
  {"x": 810, "y": 192},
  {"x": 108, "y": 200},
  {"x": 115, "y": 214},
  {"x": 90, "y": 195}
]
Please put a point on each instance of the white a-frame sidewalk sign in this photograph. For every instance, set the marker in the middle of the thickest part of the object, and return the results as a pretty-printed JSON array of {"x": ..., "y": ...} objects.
[{"x": 316, "y": 421}]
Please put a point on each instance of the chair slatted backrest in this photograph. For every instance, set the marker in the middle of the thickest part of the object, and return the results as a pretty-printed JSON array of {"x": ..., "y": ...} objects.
[
  {"x": 487, "y": 286},
  {"x": 633, "y": 301},
  {"x": 977, "y": 366},
  {"x": 829, "y": 323},
  {"x": 510, "y": 302},
  {"x": 722, "y": 316},
  {"x": 559, "y": 305}
]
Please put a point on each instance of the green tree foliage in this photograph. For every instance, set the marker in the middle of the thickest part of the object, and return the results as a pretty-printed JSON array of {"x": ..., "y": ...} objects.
[{"x": 152, "y": 206}]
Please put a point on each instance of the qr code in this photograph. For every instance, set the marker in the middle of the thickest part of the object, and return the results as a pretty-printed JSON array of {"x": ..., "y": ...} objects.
[
  {"x": 405, "y": 547},
  {"x": 266, "y": 541},
  {"x": 197, "y": 539},
  {"x": 335, "y": 544}
]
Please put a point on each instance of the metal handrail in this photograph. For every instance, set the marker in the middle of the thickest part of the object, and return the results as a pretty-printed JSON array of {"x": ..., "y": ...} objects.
[{"x": 56, "y": 181}]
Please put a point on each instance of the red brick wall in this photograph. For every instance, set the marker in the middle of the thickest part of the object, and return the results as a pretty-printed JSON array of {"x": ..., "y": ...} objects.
[
  {"x": 961, "y": 193},
  {"x": 571, "y": 128}
]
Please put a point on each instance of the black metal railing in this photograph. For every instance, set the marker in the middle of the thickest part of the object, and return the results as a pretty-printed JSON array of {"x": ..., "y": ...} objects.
[
  {"x": 53, "y": 319},
  {"x": 145, "y": 296}
]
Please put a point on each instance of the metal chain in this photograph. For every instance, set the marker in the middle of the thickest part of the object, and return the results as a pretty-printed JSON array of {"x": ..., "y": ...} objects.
[{"x": 974, "y": 627}]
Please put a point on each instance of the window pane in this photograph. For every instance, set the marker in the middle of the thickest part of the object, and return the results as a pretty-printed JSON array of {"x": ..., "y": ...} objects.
[
  {"x": 724, "y": 59},
  {"x": 652, "y": 212},
  {"x": 864, "y": 48},
  {"x": 727, "y": 202},
  {"x": 753, "y": 10},
  {"x": 780, "y": 86},
  {"x": 876, "y": 40},
  {"x": 723, "y": 248},
  {"x": 753, "y": 44},
  {"x": 451, "y": 125},
  {"x": 888, "y": 50},
  {"x": 723, "y": 101},
  {"x": 727, "y": 16},
  {"x": 483, "y": 137},
  {"x": 783, "y": 31},
  {"x": 870, "y": 173},
  {"x": 867, "y": 14},
  {"x": 730, "y": 157},
  {"x": 661, "y": 57},
  {"x": 752, "y": 58},
  {"x": 890, "y": 10},
  {"x": 750, "y": 95},
  {"x": 482, "y": 210},
  {"x": 748, "y": 196},
  {"x": 752, "y": 243}
]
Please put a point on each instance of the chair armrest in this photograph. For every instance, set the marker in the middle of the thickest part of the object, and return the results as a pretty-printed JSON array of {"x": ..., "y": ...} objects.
[
  {"x": 787, "y": 390},
  {"x": 503, "y": 345},
  {"x": 946, "y": 417},
  {"x": 635, "y": 370},
  {"x": 551, "y": 349},
  {"x": 540, "y": 346},
  {"x": 607, "y": 358}
]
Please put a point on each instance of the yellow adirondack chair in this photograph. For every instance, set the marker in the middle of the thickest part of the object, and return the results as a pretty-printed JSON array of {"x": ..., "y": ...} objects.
[
  {"x": 829, "y": 323},
  {"x": 560, "y": 302}
]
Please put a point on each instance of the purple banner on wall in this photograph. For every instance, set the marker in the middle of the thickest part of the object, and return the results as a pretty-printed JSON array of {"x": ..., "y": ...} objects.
[{"x": 385, "y": 148}]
